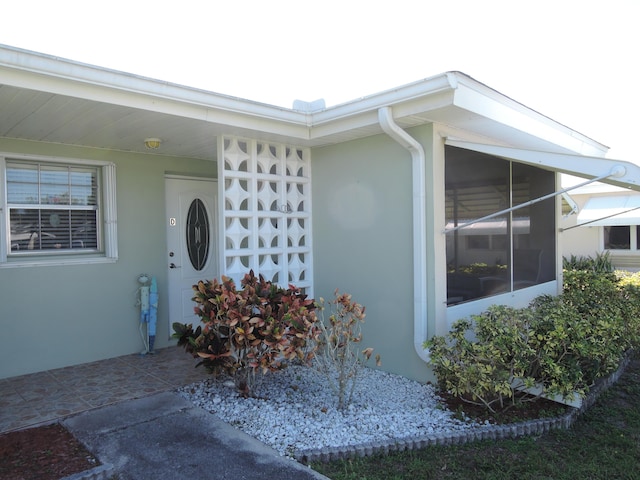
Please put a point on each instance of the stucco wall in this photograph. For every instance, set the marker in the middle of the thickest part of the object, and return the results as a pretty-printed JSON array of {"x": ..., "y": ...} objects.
[
  {"x": 55, "y": 316},
  {"x": 362, "y": 227},
  {"x": 579, "y": 241}
]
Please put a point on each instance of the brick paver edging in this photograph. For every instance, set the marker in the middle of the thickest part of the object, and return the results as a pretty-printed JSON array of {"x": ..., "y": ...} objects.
[{"x": 493, "y": 432}]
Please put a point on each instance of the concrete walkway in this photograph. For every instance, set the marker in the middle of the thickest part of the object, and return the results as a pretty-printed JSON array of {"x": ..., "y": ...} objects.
[
  {"x": 126, "y": 411},
  {"x": 164, "y": 436}
]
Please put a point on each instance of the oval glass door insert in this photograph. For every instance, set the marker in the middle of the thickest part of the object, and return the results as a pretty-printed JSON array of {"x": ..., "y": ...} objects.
[{"x": 198, "y": 234}]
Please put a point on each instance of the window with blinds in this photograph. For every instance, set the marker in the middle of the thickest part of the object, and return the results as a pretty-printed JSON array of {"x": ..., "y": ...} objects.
[{"x": 52, "y": 207}]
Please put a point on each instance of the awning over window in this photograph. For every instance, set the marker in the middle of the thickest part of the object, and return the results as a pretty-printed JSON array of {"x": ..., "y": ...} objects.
[
  {"x": 611, "y": 210},
  {"x": 596, "y": 169},
  {"x": 614, "y": 172}
]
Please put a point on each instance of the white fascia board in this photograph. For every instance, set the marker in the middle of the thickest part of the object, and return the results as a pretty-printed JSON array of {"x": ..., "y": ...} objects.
[
  {"x": 44, "y": 73},
  {"x": 578, "y": 165},
  {"x": 455, "y": 91},
  {"x": 490, "y": 104},
  {"x": 415, "y": 98},
  {"x": 368, "y": 119},
  {"x": 406, "y": 93},
  {"x": 222, "y": 112}
]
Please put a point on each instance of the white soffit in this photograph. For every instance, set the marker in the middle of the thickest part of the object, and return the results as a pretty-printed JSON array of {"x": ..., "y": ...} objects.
[
  {"x": 611, "y": 210},
  {"x": 578, "y": 165},
  {"x": 494, "y": 107}
]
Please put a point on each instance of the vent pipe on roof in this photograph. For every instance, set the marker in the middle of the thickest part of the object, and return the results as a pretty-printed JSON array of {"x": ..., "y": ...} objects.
[
  {"x": 385, "y": 117},
  {"x": 309, "y": 107}
]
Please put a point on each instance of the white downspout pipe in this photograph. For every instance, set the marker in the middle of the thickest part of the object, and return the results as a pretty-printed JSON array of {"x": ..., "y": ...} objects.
[{"x": 385, "y": 117}]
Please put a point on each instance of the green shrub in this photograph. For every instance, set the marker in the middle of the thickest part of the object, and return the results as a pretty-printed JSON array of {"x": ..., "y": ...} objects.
[
  {"x": 558, "y": 333},
  {"x": 629, "y": 285},
  {"x": 256, "y": 329},
  {"x": 601, "y": 322},
  {"x": 481, "y": 370},
  {"x": 562, "y": 344},
  {"x": 600, "y": 264}
]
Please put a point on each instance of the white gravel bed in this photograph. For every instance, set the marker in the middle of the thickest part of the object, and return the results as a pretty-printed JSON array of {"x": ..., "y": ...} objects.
[{"x": 294, "y": 409}]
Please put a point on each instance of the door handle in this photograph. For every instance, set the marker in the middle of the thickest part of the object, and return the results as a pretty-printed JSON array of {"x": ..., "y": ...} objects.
[{"x": 173, "y": 265}]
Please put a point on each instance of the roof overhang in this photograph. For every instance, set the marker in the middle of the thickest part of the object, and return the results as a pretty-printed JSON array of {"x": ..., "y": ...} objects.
[{"x": 50, "y": 99}]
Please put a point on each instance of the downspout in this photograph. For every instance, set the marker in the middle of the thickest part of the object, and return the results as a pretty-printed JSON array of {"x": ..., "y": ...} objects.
[{"x": 385, "y": 118}]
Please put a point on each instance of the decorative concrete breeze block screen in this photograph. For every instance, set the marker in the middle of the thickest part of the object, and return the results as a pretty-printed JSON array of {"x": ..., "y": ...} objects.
[{"x": 266, "y": 206}]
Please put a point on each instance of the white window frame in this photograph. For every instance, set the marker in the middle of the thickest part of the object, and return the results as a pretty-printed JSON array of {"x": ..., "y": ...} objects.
[{"x": 107, "y": 214}]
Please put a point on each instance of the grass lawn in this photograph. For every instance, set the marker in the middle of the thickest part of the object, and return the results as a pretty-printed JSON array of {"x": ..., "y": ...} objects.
[{"x": 604, "y": 443}]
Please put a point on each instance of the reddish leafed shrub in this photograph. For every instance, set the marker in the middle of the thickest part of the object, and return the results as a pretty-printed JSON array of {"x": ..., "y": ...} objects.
[{"x": 253, "y": 330}]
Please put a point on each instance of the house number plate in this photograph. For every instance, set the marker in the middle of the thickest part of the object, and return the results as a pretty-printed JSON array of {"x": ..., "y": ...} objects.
[{"x": 172, "y": 222}]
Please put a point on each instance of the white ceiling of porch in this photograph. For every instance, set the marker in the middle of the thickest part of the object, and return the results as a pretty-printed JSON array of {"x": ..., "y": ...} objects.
[{"x": 46, "y": 117}]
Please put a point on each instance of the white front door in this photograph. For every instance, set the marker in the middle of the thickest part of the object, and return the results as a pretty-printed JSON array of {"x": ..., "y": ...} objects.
[{"x": 191, "y": 242}]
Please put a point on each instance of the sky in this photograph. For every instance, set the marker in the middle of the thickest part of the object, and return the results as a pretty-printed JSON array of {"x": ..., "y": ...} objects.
[{"x": 575, "y": 61}]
